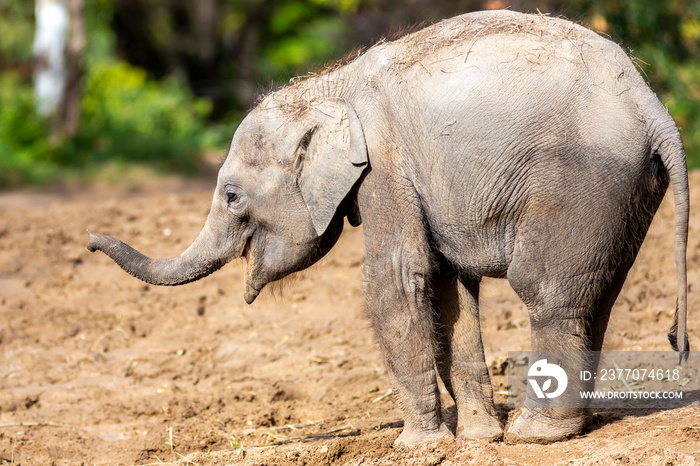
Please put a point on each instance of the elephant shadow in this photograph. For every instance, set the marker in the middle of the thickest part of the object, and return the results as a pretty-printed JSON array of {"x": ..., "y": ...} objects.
[{"x": 600, "y": 416}]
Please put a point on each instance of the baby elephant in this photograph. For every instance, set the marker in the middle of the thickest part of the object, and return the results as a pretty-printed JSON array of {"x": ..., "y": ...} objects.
[{"x": 493, "y": 144}]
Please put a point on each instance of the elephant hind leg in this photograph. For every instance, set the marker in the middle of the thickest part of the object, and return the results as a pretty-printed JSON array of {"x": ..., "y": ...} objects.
[
  {"x": 568, "y": 317},
  {"x": 460, "y": 356},
  {"x": 569, "y": 282},
  {"x": 558, "y": 339},
  {"x": 560, "y": 290},
  {"x": 574, "y": 334}
]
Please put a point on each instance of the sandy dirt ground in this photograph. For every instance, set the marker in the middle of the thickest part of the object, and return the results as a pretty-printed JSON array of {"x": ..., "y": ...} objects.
[{"x": 99, "y": 368}]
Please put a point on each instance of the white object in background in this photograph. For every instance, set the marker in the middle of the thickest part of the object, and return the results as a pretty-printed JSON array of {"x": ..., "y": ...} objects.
[{"x": 52, "y": 24}]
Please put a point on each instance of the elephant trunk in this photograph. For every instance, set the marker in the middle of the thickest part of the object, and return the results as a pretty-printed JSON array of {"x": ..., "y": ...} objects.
[{"x": 205, "y": 255}]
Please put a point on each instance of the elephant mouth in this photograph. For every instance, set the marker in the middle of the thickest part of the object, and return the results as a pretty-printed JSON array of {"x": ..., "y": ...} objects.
[
  {"x": 251, "y": 291},
  {"x": 246, "y": 249}
]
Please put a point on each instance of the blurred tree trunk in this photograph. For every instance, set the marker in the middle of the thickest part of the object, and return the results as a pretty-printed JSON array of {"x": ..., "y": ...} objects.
[
  {"x": 74, "y": 59},
  {"x": 58, "y": 63}
]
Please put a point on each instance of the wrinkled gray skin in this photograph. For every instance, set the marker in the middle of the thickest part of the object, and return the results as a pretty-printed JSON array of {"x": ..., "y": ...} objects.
[{"x": 493, "y": 144}]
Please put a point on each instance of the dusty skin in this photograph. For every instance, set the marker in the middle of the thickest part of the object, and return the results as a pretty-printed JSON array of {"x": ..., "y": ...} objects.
[{"x": 98, "y": 368}]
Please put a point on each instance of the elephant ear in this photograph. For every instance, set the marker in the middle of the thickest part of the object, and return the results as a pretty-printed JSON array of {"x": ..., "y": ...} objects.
[{"x": 330, "y": 159}]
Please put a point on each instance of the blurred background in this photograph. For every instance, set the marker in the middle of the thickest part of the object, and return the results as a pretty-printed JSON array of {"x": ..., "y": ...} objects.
[{"x": 93, "y": 88}]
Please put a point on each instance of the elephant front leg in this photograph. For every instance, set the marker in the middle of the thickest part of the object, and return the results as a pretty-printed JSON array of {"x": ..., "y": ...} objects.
[
  {"x": 460, "y": 357},
  {"x": 399, "y": 307}
]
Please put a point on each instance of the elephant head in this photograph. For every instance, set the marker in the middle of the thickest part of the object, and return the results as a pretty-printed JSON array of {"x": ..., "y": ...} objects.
[{"x": 280, "y": 199}]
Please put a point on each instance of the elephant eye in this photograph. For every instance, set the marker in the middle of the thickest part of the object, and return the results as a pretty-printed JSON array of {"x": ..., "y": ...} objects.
[
  {"x": 235, "y": 201},
  {"x": 232, "y": 197}
]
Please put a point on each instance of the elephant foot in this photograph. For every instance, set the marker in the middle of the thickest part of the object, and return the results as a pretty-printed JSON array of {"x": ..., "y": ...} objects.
[
  {"x": 536, "y": 427},
  {"x": 483, "y": 426},
  {"x": 410, "y": 437}
]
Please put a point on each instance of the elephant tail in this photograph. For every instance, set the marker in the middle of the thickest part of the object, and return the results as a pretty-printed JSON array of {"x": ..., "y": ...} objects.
[{"x": 667, "y": 143}]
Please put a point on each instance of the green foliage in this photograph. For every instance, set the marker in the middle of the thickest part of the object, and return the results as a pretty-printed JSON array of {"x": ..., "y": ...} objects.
[
  {"x": 24, "y": 148},
  {"x": 665, "y": 36},
  {"x": 100, "y": 36},
  {"x": 682, "y": 97},
  {"x": 345, "y": 6},
  {"x": 126, "y": 118},
  {"x": 134, "y": 111},
  {"x": 300, "y": 35},
  {"x": 17, "y": 30}
]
